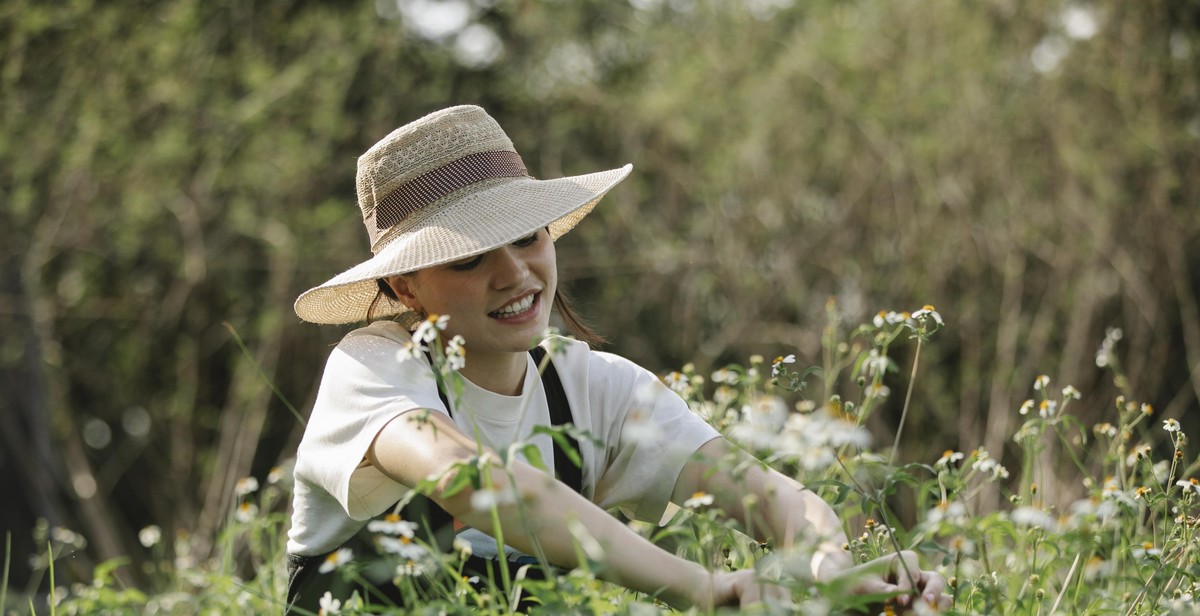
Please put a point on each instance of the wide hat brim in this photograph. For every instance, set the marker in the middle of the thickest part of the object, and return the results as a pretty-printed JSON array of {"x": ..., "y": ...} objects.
[{"x": 457, "y": 227}]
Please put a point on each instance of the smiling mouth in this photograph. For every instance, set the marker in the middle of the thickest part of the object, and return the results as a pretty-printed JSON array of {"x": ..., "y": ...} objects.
[{"x": 517, "y": 308}]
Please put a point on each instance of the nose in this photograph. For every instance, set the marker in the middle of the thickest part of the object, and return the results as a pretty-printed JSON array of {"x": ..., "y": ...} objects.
[{"x": 509, "y": 268}]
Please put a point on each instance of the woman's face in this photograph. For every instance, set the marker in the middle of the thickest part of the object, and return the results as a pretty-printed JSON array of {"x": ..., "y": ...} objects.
[{"x": 499, "y": 302}]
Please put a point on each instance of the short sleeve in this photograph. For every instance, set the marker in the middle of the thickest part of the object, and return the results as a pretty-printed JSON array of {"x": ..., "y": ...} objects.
[
  {"x": 369, "y": 379},
  {"x": 653, "y": 437}
]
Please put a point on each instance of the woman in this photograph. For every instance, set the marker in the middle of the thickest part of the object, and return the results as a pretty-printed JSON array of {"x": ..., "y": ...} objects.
[{"x": 459, "y": 229}]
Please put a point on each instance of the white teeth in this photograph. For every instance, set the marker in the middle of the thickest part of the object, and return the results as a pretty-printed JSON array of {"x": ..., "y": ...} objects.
[{"x": 517, "y": 307}]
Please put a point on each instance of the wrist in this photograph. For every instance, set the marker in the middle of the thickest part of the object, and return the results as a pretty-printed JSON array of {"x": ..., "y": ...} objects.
[{"x": 698, "y": 591}]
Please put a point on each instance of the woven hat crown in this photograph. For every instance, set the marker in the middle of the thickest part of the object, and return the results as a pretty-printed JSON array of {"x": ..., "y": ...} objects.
[{"x": 414, "y": 150}]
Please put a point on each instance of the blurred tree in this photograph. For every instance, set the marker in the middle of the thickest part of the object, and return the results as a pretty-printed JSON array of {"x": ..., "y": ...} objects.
[{"x": 167, "y": 168}]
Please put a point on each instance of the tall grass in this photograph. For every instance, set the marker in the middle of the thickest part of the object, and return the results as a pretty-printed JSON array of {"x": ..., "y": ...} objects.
[{"x": 1129, "y": 546}]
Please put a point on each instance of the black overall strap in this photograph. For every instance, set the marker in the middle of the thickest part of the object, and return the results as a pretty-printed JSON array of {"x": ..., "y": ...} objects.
[{"x": 560, "y": 414}]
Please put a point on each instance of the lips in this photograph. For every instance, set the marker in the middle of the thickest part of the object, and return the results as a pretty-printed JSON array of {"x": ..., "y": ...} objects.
[{"x": 516, "y": 308}]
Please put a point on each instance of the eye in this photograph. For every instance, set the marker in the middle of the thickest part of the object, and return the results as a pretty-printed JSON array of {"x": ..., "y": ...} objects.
[
  {"x": 466, "y": 264},
  {"x": 526, "y": 241}
]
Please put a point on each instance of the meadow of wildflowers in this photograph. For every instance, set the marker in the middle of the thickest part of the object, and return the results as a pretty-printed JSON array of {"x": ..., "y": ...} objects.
[{"x": 1124, "y": 543}]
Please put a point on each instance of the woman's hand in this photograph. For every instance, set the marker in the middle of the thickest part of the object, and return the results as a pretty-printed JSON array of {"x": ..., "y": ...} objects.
[
  {"x": 891, "y": 574},
  {"x": 739, "y": 589}
]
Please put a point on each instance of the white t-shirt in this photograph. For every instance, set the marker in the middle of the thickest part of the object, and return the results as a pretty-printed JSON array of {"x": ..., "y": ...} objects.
[{"x": 648, "y": 432}]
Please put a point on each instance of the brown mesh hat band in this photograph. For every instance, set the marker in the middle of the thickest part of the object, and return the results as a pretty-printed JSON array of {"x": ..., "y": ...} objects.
[{"x": 433, "y": 185}]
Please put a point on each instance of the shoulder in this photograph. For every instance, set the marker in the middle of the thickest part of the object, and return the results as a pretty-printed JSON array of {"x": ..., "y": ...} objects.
[
  {"x": 377, "y": 334},
  {"x": 379, "y": 348},
  {"x": 603, "y": 373},
  {"x": 379, "y": 339},
  {"x": 572, "y": 353}
]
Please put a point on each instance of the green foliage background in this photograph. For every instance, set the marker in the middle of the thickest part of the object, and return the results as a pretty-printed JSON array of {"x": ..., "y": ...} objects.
[{"x": 175, "y": 171}]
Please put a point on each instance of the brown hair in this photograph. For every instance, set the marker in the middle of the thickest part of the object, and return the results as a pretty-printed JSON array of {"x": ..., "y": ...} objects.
[{"x": 575, "y": 324}]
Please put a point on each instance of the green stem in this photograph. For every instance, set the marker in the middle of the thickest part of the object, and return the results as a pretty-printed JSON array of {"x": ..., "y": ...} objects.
[
  {"x": 907, "y": 399},
  {"x": 505, "y": 579},
  {"x": 50, "y": 559},
  {"x": 261, "y": 373},
  {"x": 7, "y": 561},
  {"x": 881, "y": 508}
]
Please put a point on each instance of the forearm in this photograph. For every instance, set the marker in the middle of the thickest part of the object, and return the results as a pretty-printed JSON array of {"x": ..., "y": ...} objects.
[
  {"x": 540, "y": 523},
  {"x": 800, "y": 519},
  {"x": 796, "y": 519},
  {"x": 769, "y": 505},
  {"x": 416, "y": 446}
]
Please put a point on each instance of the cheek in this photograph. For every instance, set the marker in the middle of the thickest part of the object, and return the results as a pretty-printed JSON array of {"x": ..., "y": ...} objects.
[
  {"x": 441, "y": 295},
  {"x": 549, "y": 262}
]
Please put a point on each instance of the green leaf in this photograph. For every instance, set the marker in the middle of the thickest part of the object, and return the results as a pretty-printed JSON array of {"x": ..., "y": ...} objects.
[
  {"x": 467, "y": 473},
  {"x": 533, "y": 455},
  {"x": 558, "y": 433}
]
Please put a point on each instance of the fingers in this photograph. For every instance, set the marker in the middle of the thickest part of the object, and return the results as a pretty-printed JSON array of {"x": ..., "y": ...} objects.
[
  {"x": 744, "y": 588},
  {"x": 773, "y": 593},
  {"x": 933, "y": 589},
  {"x": 901, "y": 574}
]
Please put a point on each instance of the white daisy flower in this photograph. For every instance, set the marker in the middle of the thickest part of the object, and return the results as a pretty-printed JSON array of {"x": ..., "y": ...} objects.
[
  {"x": 402, "y": 547},
  {"x": 724, "y": 375},
  {"x": 949, "y": 457},
  {"x": 245, "y": 512},
  {"x": 777, "y": 365},
  {"x": 677, "y": 381},
  {"x": 391, "y": 524},
  {"x": 150, "y": 536},
  {"x": 336, "y": 559},
  {"x": 245, "y": 486},
  {"x": 456, "y": 353},
  {"x": 414, "y": 568},
  {"x": 1034, "y": 518},
  {"x": 329, "y": 605},
  {"x": 876, "y": 363},
  {"x": 412, "y": 349},
  {"x": 928, "y": 312},
  {"x": 698, "y": 499}
]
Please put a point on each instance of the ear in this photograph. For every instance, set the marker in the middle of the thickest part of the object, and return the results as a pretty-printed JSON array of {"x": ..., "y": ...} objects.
[{"x": 403, "y": 290}]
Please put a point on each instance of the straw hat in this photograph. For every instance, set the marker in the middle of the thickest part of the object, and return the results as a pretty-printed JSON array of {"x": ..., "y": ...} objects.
[{"x": 445, "y": 187}]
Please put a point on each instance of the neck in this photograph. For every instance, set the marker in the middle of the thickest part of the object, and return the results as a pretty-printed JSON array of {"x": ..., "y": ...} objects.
[{"x": 501, "y": 373}]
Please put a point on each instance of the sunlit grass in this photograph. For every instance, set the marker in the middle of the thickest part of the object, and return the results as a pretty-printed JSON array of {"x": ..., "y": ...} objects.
[{"x": 1126, "y": 545}]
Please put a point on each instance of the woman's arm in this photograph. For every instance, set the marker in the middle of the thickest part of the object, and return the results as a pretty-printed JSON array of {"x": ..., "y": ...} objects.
[
  {"x": 417, "y": 445},
  {"x": 781, "y": 509},
  {"x": 778, "y": 507}
]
